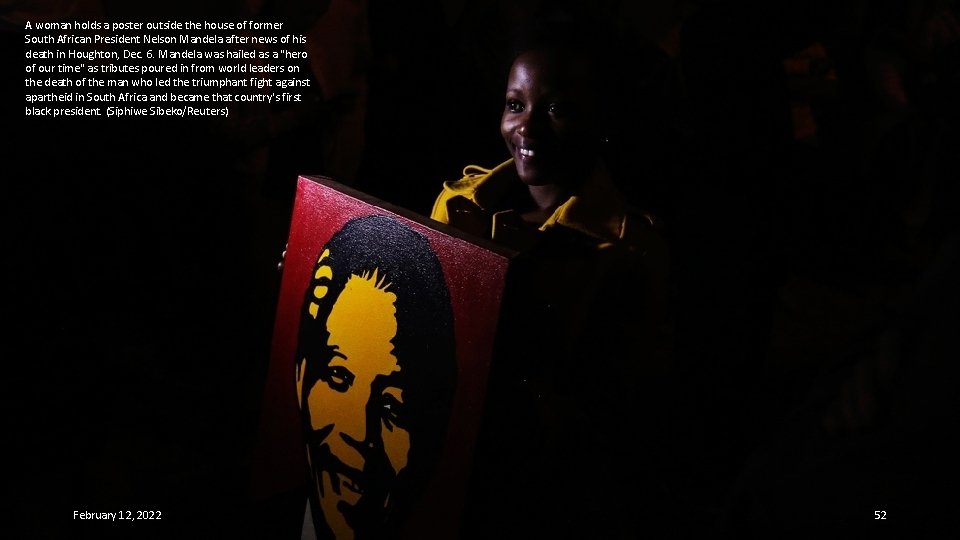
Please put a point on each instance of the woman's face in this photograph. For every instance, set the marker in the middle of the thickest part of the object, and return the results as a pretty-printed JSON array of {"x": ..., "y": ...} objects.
[
  {"x": 550, "y": 119},
  {"x": 356, "y": 407}
]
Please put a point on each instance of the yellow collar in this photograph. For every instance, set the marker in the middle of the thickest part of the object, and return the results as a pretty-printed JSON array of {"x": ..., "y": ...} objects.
[{"x": 597, "y": 209}]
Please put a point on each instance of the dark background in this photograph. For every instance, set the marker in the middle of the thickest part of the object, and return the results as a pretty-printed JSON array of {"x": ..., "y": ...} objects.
[{"x": 802, "y": 156}]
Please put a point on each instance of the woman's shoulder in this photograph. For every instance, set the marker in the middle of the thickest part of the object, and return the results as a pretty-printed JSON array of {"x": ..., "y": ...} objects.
[
  {"x": 475, "y": 177},
  {"x": 641, "y": 226},
  {"x": 646, "y": 232},
  {"x": 474, "y": 186}
]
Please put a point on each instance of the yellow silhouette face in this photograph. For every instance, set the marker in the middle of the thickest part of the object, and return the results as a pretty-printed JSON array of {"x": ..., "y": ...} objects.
[{"x": 357, "y": 388}]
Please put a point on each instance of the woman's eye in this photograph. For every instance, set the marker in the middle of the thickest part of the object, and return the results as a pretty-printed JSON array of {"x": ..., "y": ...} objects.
[
  {"x": 556, "y": 109},
  {"x": 338, "y": 377},
  {"x": 514, "y": 106}
]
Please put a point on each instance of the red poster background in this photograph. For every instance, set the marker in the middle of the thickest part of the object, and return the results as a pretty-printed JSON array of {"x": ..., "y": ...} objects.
[{"x": 475, "y": 272}]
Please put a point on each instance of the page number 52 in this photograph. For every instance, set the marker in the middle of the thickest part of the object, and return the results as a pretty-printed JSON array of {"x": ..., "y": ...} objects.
[{"x": 880, "y": 514}]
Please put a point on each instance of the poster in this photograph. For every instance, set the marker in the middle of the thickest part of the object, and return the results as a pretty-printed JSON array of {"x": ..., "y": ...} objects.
[{"x": 384, "y": 336}]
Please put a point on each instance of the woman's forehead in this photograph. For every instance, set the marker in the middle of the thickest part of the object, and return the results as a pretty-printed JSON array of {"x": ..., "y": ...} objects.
[{"x": 559, "y": 68}]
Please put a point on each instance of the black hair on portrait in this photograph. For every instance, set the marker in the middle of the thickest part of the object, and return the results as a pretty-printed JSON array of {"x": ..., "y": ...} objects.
[{"x": 424, "y": 344}]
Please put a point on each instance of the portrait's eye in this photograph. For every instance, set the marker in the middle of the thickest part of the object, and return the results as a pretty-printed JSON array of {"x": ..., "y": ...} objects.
[
  {"x": 338, "y": 378},
  {"x": 392, "y": 411},
  {"x": 514, "y": 106}
]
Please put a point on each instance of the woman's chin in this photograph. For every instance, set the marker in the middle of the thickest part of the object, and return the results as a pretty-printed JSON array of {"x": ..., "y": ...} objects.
[
  {"x": 542, "y": 174},
  {"x": 532, "y": 176}
]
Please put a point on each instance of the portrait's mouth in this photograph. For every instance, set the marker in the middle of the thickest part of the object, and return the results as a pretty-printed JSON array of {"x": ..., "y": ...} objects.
[
  {"x": 340, "y": 479},
  {"x": 346, "y": 482}
]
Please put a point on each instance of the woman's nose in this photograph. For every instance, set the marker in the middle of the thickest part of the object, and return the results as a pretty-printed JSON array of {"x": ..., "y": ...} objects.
[{"x": 530, "y": 124}]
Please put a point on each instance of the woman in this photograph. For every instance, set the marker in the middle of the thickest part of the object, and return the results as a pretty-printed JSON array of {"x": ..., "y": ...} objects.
[{"x": 584, "y": 324}]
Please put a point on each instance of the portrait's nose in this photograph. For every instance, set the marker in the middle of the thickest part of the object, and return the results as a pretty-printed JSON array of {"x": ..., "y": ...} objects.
[
  {"x": 354, "y": 427},
  {"x": 349, "y": 419}
]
